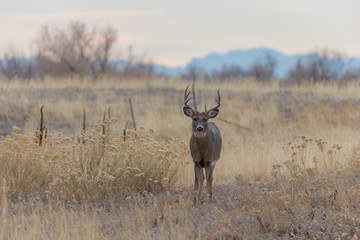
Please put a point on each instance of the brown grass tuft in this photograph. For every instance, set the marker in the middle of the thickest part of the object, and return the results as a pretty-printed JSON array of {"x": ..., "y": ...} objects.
[{"x": 70, "y": 170}]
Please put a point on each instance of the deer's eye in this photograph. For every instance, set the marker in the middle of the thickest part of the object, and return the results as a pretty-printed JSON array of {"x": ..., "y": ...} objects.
[
  {"x": 205, "y": 119},
  {"x": 195, "y": 119}
]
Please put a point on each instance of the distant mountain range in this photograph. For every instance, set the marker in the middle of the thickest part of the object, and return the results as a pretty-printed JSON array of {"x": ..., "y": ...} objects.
[{"x": 246, "y": 59}]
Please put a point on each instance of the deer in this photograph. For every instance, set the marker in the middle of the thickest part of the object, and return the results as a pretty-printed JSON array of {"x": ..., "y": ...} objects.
[{"x": 205, "y": 144}]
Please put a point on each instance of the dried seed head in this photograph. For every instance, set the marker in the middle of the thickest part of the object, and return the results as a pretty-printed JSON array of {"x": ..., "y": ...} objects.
[{"x": 16, "y": 128}]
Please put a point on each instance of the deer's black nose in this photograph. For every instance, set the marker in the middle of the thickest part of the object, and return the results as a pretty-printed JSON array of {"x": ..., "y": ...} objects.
[{"x": 199, "y": 128}]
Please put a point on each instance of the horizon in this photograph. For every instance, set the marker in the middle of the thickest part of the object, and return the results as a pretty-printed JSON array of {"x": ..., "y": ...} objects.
[{"x": 174, "y": 35}]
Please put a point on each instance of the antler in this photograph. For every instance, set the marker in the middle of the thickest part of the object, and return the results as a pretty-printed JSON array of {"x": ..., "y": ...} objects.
[
  {"x": 186, "y": 98},
  {"x": 217, "y": 101}
]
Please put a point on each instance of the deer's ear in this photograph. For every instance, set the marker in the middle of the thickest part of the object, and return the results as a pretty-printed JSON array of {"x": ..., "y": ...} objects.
[
  {"x": 188, "y": 111},
  {"x": 212, "y": 113}
]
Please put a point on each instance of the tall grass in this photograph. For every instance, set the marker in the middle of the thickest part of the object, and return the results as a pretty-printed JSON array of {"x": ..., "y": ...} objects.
[
  {"x": 289, "y": 163},
  {"x": 92, "y": 168}
]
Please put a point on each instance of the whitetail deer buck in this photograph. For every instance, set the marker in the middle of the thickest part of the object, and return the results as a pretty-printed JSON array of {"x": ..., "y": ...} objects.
[{"x": 205, "y": 144}]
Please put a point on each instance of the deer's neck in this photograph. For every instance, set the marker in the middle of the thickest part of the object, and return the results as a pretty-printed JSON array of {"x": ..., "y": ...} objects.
[{"x": 203, "y": 143}]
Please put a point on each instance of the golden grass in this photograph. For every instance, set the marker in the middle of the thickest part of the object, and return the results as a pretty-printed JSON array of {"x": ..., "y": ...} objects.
[
  {"x": 290, "y": 157},
  {"x": 90, "y": 168}
]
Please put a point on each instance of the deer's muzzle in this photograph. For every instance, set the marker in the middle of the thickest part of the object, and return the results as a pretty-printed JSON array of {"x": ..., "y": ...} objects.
[{"x": 199, "y": 128}]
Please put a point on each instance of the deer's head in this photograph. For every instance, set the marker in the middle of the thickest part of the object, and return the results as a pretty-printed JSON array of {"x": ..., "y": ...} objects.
[{"x": 200, "y": 119}]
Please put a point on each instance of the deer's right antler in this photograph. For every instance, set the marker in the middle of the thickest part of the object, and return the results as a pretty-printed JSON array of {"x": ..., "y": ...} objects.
[{"x": 186, "y": 98}]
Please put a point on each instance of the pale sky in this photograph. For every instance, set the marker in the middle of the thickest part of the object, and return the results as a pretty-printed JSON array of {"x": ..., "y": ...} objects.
[{"x": 174, "y": 32}]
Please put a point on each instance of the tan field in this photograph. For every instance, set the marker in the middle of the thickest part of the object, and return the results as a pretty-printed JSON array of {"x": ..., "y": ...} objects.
[{"x": 289, "y": 166}]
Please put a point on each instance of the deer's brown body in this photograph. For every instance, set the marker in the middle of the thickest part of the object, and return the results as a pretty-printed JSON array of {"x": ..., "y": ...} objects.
[
  {"x": 206, "y": 150},
  {"x": 205, "y": 145}
]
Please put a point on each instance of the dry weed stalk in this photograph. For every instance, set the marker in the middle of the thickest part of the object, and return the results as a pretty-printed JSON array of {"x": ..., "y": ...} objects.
[
  {"x": 103, "y": 125},
  {"x": 84, "y": 120},
  {"x": 132, "y": 111},
  {"x": 124, "y": 131},
  {"x": 41, "y": 134},
  {"x": 302, "y": 185}
]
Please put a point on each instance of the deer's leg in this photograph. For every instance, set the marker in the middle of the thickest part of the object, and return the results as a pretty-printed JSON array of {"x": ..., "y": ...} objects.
[
  {"x": 209, "y": 178},
  {"x": 199, "y": 179}
]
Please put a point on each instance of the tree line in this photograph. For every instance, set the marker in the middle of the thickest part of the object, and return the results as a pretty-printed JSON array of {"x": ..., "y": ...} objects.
[
  {"x": 321, "y": 65},
  {"x": 80, "y": 50},
  {"x": 74, "y": 50}
]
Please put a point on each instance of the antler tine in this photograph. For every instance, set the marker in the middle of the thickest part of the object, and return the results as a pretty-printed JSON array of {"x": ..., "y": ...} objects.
[
  {"x": 185, "y": 103},
  {"x": 217, "y": 100},
  {"x": 186, "y": 97},
  {"x": 186, "y": 94}
]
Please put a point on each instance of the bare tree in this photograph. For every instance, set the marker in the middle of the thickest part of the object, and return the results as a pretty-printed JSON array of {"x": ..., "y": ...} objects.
[
  {"x": 14, "y": 64},
  {"x": 65, "y": 51},
  {"x": 193, "y": 73},
  {"x": 107, "y": 38},
  {"x": 328, "y": 64},
  {"x": 351, "y": 74},
  {"x": 75, "y": 49},
  {"x": 137, "y": 66},
  {"x": 230, "y": 72},
  {"x": 264, "y": 68},
  {"x": 323, "y": 65},
  {"x": 299, "y": 73}
]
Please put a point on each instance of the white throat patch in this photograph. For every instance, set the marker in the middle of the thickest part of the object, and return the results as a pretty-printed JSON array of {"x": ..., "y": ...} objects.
[{"x": 199, "y": 134}]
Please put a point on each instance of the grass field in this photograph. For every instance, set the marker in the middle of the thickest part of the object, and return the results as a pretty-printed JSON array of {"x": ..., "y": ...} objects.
[{"x": 289, "y": 167}]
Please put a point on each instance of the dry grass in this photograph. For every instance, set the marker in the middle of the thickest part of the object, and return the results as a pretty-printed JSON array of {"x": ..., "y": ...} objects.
[
  {"x": 91, "y": 168},
  {"x": 289, "y": 165}
]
